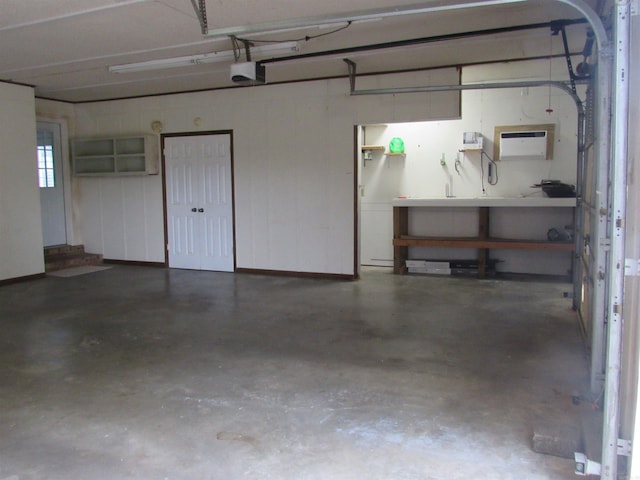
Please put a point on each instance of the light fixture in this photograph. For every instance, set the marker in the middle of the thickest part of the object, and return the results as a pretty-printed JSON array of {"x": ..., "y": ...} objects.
[
  {"x": 355, "y": 16},
  {"x": 190, "y": 60}
]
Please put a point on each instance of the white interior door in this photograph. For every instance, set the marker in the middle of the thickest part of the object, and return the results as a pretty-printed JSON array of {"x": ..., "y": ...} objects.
[
  {"x": 51, "y": 181},
  {"x": 199, "y": 202}
]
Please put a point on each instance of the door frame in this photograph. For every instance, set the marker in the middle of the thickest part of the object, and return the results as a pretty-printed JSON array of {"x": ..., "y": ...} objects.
[
  {"x": 163, "y": 138},
  {"x": 65, "y": 159}
]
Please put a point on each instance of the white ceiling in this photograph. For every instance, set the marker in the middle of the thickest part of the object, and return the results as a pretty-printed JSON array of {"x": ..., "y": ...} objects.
[{"x": 64, "y": 48}]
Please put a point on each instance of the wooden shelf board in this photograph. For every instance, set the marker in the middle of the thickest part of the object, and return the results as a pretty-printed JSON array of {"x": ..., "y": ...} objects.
[
  {"x": 476, "y": 242},
  {"x": 373, "y": 147}
]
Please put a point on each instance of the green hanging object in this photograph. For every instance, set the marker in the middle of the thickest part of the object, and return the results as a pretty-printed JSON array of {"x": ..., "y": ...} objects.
[{"x": 396, "y": 145}]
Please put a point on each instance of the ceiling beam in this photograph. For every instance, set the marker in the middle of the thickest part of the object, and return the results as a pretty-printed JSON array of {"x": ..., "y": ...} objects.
[
  {"x": 78, "y": 13},
  {"x": 108, "y": 56},
  {"x": 355, "y": 16}
]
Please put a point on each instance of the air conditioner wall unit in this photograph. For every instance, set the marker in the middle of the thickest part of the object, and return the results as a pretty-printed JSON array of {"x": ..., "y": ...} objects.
[{"x": 525, "y": 145}]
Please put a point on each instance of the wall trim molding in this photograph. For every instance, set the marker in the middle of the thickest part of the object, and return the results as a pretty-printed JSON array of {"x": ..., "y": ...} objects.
[
  {"x": 134, "y": 263},
  {"x": 290, "y": 273},
  {"x": 27, "y": 278}
]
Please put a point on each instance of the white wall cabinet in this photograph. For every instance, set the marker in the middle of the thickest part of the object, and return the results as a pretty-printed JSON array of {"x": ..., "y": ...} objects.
[{"x": 115, "y": 156}]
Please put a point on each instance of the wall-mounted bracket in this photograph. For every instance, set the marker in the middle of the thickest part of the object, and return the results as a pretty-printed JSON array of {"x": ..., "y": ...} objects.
[
  {"x": 351, "y": 65},
  {"x": 584, "y": 68},
  {"x": 631, "y": 267},
  {"x": 624, "y": 447}
]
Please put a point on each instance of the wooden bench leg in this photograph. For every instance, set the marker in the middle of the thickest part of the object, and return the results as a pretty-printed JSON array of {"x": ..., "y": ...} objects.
[
  {"x": 400, "y": 228},
  {"x": 483, "y": 234}
]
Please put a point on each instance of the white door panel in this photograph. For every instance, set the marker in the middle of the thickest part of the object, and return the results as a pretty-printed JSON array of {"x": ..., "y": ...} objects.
[
  {"x": 217, "y": 251},
  {"x": 199, "y": 202},
  {"x": 183, "y": 243},
  {"x": 209, "y": 244}
]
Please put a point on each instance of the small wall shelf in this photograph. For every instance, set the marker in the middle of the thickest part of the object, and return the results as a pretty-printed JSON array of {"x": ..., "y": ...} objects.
[
  {"x": 116, "y": 156},
  {"x": 370, "y": 148},
  {"x": 391, "y": 154}
]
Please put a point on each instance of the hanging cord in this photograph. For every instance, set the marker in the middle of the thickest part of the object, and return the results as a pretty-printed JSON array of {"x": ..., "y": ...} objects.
[
  {"x": 549, "y": 110},
  {"x": 493, "y": 165},
  {"x": 482, "y": 173},
  {"x": 237, "y": 48},
  {"x": 305, "y": 38}
]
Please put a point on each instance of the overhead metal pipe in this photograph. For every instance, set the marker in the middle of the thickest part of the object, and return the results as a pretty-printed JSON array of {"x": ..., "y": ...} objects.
[{"x": 473, "y": 86}]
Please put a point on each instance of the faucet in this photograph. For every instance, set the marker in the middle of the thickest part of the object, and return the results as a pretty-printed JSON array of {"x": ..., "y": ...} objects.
[{"x": 448, "y": 188}]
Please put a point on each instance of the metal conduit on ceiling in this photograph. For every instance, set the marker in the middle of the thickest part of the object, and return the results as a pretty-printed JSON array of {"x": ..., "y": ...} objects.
[{"x": 423, "y": 40}]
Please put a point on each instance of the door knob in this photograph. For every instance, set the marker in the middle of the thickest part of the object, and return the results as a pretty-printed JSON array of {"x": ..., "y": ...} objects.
[
  {"x": 201, "y": 210},
  {"x": 194, "y": 209}
]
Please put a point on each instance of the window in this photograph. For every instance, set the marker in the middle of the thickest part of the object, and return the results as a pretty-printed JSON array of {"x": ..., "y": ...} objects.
[{"x": 46, "y": 177}]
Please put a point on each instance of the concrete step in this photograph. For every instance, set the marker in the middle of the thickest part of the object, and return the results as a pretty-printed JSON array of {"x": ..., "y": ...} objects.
[
  {"x": 63, "y": 250},
  {"x": 67, "y": 256}
]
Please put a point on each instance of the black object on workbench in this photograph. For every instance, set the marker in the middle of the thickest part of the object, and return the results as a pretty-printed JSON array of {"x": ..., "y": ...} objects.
[{"x": 556, "y": 189}]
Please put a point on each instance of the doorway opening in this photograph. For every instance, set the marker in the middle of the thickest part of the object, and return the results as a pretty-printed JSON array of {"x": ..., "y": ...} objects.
[
  {"x": 435, "y": 165},
  {"x": 51, "y": 180}
]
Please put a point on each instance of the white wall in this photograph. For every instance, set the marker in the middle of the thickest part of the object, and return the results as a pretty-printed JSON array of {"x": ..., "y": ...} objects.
[
  {"x": 294, "y": 174},
  {"x": 21, "y": 250},
  {"x": 294, "y": 167},
  {"x": 420, "y": 173}
]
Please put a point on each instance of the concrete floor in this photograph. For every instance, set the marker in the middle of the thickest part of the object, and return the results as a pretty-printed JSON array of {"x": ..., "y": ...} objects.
[{"x": 148, "y": 373}]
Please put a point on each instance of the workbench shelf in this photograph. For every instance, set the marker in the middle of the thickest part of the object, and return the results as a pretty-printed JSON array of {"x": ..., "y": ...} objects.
[
  {"x": 477, "y": 242},
  {"x": 483, "y": 241}
]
